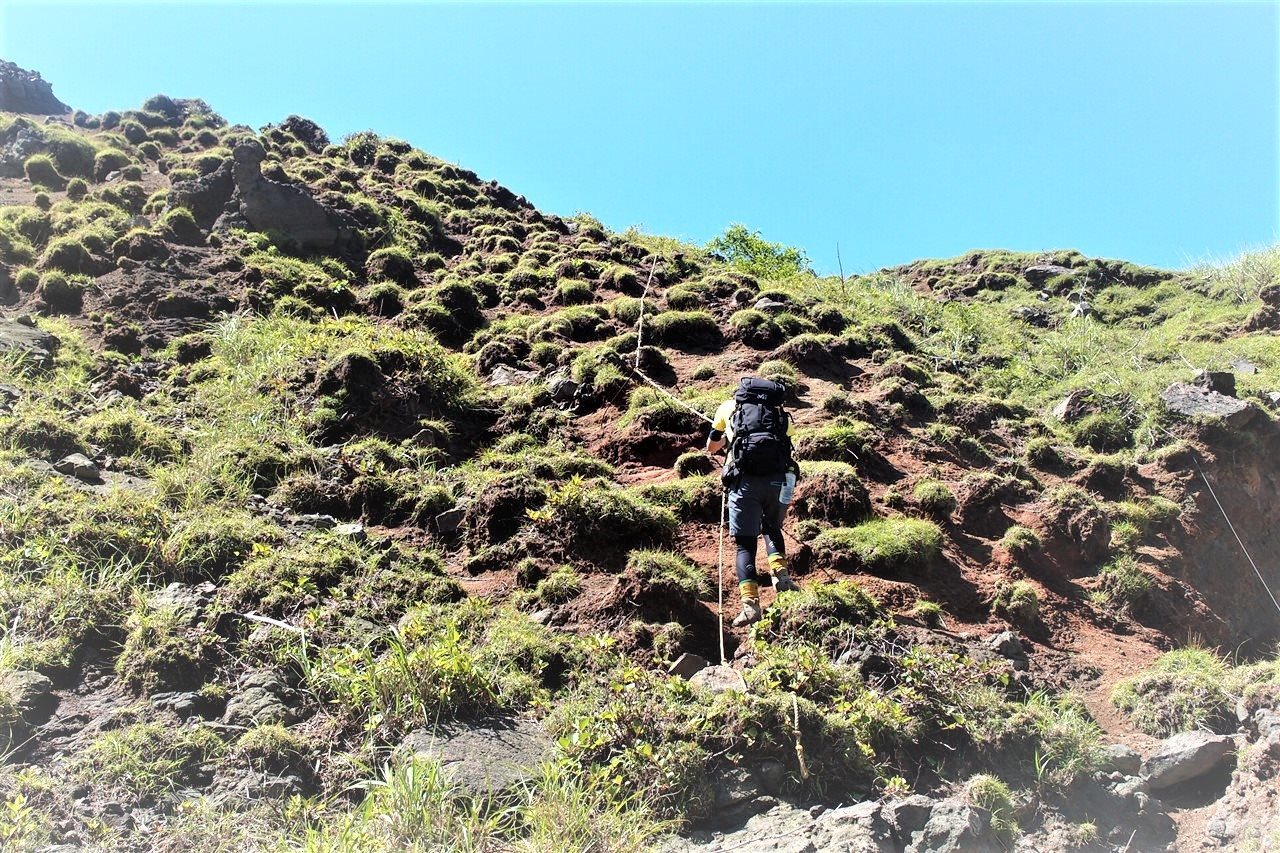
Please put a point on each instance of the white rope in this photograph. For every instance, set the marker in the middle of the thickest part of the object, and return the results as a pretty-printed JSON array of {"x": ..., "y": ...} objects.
[
  {"x": 720, "y": 577},
  {"x": 681, "y": 403},
  {"x": 1221, "y": 509},
  {"x": 653, "y": 268}
]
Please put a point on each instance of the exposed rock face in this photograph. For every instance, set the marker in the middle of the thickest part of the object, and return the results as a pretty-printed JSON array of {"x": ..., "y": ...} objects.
[
  {"x": 1248, "y": 816},
  {"x": 23, "y": 91}
]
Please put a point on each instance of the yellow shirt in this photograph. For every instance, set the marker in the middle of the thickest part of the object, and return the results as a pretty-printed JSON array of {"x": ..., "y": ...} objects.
[{"x": 724, "y": 416}]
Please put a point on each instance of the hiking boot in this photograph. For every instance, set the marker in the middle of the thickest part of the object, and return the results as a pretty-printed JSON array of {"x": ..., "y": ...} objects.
[
  {"x": 782, "y": 582},
  {"x": 750, "y": 613}
]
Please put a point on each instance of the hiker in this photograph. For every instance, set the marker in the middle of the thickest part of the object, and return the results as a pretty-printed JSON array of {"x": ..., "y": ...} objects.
[{"x": 758, "y": 475}]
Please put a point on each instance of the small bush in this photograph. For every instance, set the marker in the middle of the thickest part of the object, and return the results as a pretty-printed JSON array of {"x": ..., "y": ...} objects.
[
  {"x": 26, "y": 279},
  {"x": 393, "y": 264},
  {"x": 60, "y": 293},
  {"x": 1042, "y": 453},
  {"x": 1122, "y": 582},
  {"x": 1019, "y": 602},
  {"x": 41, "y": 172},
  {"x": 928, "y": 612},
  {"x": 686, "y": 297},
  {"x": 667, "y": 573},
  {"x": 755, "y": 328},
  {"x": 988, "y": 792},
  {"x": 819, "y": 613},
  {"x": 1104, "y": 432},
  {"x": 1019, "y": 540},
  {"x": 881, "y": 545},
  {"x": 146, "y": 760},
  {"x": 694, "y": 463},
  {"x": 588, "y": 515},
  {"x": 934, "y": 497},
  {"x": 573, "y": 293},
  {"x": 107, "y": 161},
  {"x": 77, "y": 189},
  {"x": 684, "y": 329},
  {"x": 831, "y": 492},
  {"x": 840, "y": 442},
  {"x": 1183, "y": 691},
  {"x": 209, "y": 546},
  {"x": 562, "y": 584}
]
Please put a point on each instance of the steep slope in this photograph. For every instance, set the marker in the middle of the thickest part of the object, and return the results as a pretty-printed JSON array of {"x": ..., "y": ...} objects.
[{"x": 367, "y": 462}]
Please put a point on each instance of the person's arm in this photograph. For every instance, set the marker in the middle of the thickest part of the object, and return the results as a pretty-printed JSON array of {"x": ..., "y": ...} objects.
[{"x": 716, "y": 440}]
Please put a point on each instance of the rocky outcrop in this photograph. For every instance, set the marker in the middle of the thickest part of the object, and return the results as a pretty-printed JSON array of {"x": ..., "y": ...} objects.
[
  {"x": 238, "y": 195},
  {"x": 28, "y": 341},
  {"x": 485, "y": 758},
  {"x": 1201, "y": 403},
  {"x": 269, "y": 205},
  {"x": 23, "y": 91}
]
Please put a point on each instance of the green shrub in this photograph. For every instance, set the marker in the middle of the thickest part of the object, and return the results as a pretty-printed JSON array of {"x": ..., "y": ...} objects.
[
  {"x": 777, "y": 370},
  {"x": 41, "y": 172},
  {"x": 934, "y": 497},
  {"x": 272, "y": 748},
  {"x": 1183, "y": 691},
  {"x": 928, "y": 612},
  {"x": 1019, "y": 602},
  {"x": 77, "y": 189},
  {"x": 1122, "y": 582},
  {"x": 562, "y": 584},
  {"x": 110, "y": 160},
  {"x": 819, "y": 613},
  {"x": 843, "y": 441},
  {"x": 1019, "y": 540},
  {"x": 209, "y": 546},
  {"x": 667, "y": 573},
  {"x": 163, "y": 649},
  {"x": 125, "y": 431},
  {"x": 146, "y": 760},
  {"x": 881, "y": 545},
  {"x": 573, "y": 293},
  {"x": 26, "y": 279},
  {"x": 686, "y": 297},
  {"x": 684, "y": 329},
  {"x": 755, "y": 328},
  {"x": 42, "y": 201},
  {"x": 1042, "y": 453},
  {"x": 831, "y": 492},
  {"x": 694, "y": 463},
  {"x": 62, "y": 294},
  {"x": 590, "y": 514},
  {"x": 988, "y": 792},
  {"x": 1104, "y": 432},
  {"x": 392, "y": 263}
]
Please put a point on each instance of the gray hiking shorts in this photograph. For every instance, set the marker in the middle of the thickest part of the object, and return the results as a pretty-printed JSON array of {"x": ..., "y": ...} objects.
[{"x": 754, "y": 507}]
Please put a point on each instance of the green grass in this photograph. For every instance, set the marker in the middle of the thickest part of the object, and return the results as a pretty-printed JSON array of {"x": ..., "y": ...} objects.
[
  {"x": 882, "y": 545},
  {"x": 1189, "y": 688}
]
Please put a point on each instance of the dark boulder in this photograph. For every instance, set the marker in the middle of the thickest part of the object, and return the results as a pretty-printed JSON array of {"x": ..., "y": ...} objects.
[
  {"x": 207, "y": 197},
  {"x": 1193, "y": 401},
  {"x": 288, "y": 209}
]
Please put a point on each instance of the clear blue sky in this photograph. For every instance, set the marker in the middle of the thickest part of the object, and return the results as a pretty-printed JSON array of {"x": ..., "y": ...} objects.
[{"x": 1149, "y": 132}]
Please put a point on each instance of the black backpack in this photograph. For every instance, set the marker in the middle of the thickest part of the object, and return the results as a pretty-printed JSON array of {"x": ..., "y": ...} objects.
[{"x": 761, "y": 445}]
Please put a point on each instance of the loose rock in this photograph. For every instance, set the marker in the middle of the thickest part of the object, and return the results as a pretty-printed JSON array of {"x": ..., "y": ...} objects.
[{"x": 1186, "y": 756}]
